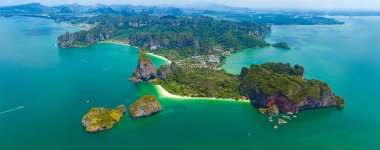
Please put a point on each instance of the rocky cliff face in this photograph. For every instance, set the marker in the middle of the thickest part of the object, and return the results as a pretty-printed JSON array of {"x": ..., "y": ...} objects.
[
  {"x": 145, "y": 106},
  {"x": 66, "y": 40},
  {"x": 145, "y": 69},
  {"x": 85, "y": 38},
  {"x": 165, "y": 70},
  {"x": 288, "y": 105},
  {"x": 155, "y": 41}
]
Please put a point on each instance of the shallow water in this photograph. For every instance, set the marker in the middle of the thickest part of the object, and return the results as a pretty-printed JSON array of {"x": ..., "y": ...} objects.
[{"x": 54, "y": 84}]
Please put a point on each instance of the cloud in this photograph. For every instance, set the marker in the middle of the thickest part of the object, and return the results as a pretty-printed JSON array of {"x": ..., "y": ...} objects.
[{"x": 301, "y": 4}]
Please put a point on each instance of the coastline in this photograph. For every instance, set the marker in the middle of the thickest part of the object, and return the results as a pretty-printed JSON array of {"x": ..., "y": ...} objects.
[
  {"x": 117, "y": 42},
  {"x": 160, "y": 57},
  {"x": 126, "y": 44},
  {"x": 74, "y": 25},
  {"x": 164, "y": 93}
]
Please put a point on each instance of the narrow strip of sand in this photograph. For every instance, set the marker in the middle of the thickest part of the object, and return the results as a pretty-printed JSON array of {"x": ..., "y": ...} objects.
[
  {"x": 160, "y": 57},
  {"x": 151, "y": 54},
  {"x": 117, "y": 42},
  {"x": 164, "y": 93}
]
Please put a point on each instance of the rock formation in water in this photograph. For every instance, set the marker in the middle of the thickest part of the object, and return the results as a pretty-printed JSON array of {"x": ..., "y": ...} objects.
[
  {"x": 99, "y": 119},
  {"x": 145, "y": 106},
  {"x": 277, "y": 85},
  {"x": 271, "y": 111},
  {"x": 282, "y": 45},
  {"x": 145, "y": 69}
]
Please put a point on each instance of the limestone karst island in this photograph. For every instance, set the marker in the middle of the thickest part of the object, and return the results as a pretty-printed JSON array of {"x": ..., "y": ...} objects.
[{"x": 192, "y": 75}]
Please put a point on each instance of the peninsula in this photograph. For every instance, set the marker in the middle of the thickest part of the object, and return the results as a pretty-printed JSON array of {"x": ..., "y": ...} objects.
[{"x": 272, "y": 87}]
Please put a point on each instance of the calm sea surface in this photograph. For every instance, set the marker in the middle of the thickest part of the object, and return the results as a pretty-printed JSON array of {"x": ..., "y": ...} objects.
[{"x": 44, "y": 89}]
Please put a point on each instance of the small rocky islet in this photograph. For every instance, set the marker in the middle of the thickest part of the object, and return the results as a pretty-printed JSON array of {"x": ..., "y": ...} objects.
[
  {"x": 145, "y": 106},
  {"x": 100, "y": 118}
]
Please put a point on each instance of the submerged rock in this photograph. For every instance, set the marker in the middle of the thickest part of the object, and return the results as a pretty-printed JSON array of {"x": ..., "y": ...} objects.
[
  {"x": 100, "y": 118},
  {"x": 281, "y": 121},
  {"x": 145, "y": 106},
  {"x": 282, "y": 45},
  {"x": 287, "y": 117},
  {"x": 145, "y": 69}
]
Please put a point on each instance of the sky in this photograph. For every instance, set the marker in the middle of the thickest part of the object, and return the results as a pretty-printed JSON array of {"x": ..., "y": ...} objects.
[{"x": 300, "y": 4}]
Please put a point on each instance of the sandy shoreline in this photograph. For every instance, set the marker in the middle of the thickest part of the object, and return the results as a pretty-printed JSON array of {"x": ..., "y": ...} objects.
[
  {"x": 162, "y": 92},
  {"x": 151, "y": 54},
  {"x": 120, "y": 43},
  {"x": 160, "y": 57}
]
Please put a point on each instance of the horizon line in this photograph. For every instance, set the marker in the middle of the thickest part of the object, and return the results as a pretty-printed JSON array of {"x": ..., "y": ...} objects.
[{"x": 183, "y": 6}]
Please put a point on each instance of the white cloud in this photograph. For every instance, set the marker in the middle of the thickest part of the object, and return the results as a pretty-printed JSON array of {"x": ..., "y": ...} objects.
[{"x": 302, "y": 4}]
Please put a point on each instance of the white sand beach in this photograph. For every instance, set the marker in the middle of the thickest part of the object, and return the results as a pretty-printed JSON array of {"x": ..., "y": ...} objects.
[
  {"x": 163, "y": 93},
  {"x": 161, "y": 57}
]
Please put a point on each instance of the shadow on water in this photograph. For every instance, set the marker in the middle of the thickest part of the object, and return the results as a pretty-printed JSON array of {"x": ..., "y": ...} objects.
[{"x": 42, "y": 31}]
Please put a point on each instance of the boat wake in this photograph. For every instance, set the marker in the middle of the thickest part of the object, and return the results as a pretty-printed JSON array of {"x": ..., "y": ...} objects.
[
  {"x": 106, "y": 69},
  {"x": 84, "y": 60},
  {"x": 7, "y": 111}
]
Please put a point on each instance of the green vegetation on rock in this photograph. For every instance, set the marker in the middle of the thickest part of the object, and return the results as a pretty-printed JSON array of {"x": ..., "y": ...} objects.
[
  {"x": 281, "y": 68},
  {"x": 285, "y": 82},
  {"x": 202, "y": 82},
  {"x": 100, "y": 118},
  {"x": 145, "y": 106},
  {"x": 339, "y": 102},
  {"x": 271, "y": 111}
]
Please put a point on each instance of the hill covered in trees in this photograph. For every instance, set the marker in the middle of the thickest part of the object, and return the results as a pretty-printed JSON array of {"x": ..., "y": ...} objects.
[{"x": 173, "y": 37}]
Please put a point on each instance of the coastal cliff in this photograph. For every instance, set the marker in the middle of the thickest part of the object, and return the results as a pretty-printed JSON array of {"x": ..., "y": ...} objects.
[
  {"x": 100, "y": 118},
  {"x": 85, "y": 38},
  {"x": 145, "y": 69},
  {"x": 286, "y": 90},
  {"x": 165, "y": 71},
  {"x": 145, "y": 106}
]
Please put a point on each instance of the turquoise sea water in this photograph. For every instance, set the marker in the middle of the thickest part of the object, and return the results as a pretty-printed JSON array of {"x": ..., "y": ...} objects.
[{"x": 54, "y": 84}]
